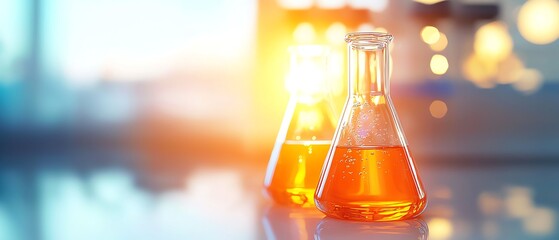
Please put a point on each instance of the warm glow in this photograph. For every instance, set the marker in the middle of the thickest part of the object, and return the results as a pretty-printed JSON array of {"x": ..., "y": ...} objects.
[
  {"x": 307, "y": 74},
  {"x": 530, "y": 81},
  {"x": 336, "y": 32},
  {"x": 492, "y": 42},
  {"x": 381, "y": 29},
  {"x": 429, "y": 2},
  {"x": 330, "y": 3},
  {"x": 438, "y": 109},
  {"x": 479, "y": 72},
  {"x": 430, "y": 34},
  {"x": 304, "y": 33},
  {"x": 373, "y": 5},
  {"x": 440, "y": 228},
  {"x": 295, "y": 4},
  {"x": 311, "y": 119},
  {"x": 366, "y": 27},
  {"x": 335, "y": 72},
  {"x": 299, "y": 180},
  {"x": 441, "y": 44},
  {"x": 439, "y": 64},
  {"x": 538, "y": 21}
]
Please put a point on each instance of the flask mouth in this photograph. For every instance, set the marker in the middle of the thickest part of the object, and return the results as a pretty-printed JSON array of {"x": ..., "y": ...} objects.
[
  {"x": 372, "y": 37},
  {"x": 368, "y": 40}
]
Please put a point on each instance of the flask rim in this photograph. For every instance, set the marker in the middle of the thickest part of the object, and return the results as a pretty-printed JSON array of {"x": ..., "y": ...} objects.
[{"x": 372, "y": 37}]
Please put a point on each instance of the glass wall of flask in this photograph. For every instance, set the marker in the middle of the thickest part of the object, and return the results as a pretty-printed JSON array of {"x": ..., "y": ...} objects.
[
  {"x": 306, "y": 131},
  {"x": 369, "y": 173}
]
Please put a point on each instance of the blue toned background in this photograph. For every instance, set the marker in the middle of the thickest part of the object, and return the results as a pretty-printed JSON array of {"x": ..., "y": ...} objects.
[{"x": 155, "y": 119}]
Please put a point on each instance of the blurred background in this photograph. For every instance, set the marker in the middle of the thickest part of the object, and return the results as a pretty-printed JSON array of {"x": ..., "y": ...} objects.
[{"x": 106, "y": 107}]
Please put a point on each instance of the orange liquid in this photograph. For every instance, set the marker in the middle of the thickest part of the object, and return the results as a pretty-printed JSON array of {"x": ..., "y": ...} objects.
[
  {"x": 371, "y": 184},
  {"x": 296, "y": 172}
]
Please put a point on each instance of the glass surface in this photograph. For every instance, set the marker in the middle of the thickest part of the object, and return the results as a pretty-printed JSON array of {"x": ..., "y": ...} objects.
[
  {"x": 369, "y": 174},
  {"x": 306, "y": 131}
]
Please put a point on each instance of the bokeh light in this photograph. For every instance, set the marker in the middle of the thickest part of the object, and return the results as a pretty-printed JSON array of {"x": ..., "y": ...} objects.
[
  {"x": 438, "y": 109},
  {"x": 529, "y": 82},
  {"x": 381, "y": 29},
  {"x": 479, "y": 72},
  {"x": 440, "y": 44},
  {"x": 336, "y": 32},
  {"x": 510, "y": 69},
  {"x": 373, "y": 5},
  {"x": 440, "y": 228},
  {"x": 538, "y": 21},
  {"x": 330, "y": 3},
  {"x": 295, "y": 4},
  {"x": 541, "y": 221},
  {"x": 430, "y": 34},
  {"x": 493, "y": 42},
  {"x": 429, "y": 2},
  {"x": 307, "y": 72},
  {"x": 365, "y": 27},
  {"x": 304, "y": 33},
  {"x": 439, "y": 64},
  {"x": 490, "y": 203}
]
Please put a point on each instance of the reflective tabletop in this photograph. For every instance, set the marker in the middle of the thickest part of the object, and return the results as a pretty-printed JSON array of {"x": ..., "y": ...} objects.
[{"x": 123, "y": 196}]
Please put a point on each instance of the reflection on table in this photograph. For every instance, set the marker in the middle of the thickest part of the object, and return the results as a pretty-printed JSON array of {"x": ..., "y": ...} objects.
[{"x": 54, "y": 198}]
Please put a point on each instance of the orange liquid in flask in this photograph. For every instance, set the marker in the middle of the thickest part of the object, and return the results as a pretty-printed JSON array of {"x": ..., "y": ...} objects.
[
  {"x": 372, "y": 184},
  {"x": 297, "y": 171}
]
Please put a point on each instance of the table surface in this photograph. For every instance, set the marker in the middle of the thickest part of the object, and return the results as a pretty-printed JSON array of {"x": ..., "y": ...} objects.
[{"x": 69, "y": 196}]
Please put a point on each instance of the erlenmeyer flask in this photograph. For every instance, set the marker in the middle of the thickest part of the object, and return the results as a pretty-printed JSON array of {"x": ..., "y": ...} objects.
[
  {"x": 369, "y": 174},
  {"x": 306, "y": 131}
]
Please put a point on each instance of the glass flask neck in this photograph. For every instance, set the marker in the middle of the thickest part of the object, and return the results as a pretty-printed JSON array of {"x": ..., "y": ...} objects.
[{"x": 368, "y": 63}]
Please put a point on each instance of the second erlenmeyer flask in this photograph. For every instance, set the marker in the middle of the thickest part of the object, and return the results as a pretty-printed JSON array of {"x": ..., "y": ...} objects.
[
  {"x": 369, "y": 174},
  {"x": 306, "y": 131}
]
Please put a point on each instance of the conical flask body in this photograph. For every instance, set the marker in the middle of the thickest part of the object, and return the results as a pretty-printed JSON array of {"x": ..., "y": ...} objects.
[
  {"x": 369, "y": 173},
  {"x": 306, "y": 132}
]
